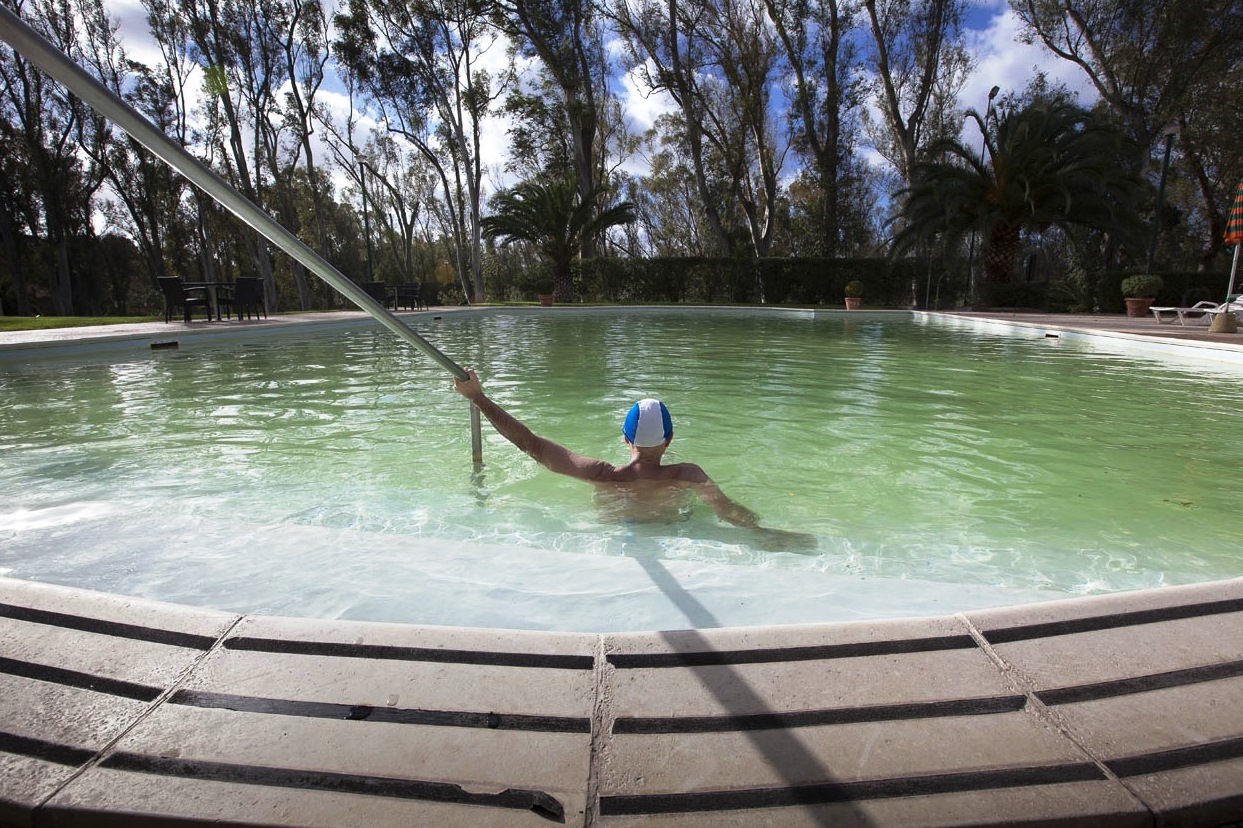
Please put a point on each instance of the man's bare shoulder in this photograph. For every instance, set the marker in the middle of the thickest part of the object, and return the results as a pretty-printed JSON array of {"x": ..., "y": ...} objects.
[{"x": 688, "y": 473}]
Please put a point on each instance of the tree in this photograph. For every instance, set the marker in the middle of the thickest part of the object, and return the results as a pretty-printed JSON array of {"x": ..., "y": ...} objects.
[
  {"x": 241, "y": 73},
  {"x": 1159, "y": 64},
  {"x": 825, "y": 93},
  {"x": 1045, "y": 165},
  {"x": 300, "y": 29},
  {"x": 551, "y": 216},
  {"x": 566, "y": 37},
  {"x": 419, "y": 60},
  {"x": 919, "y": 64},
  {"x": 148, "y": 192},
  {"x": 48, "y": 125},
  {"x": 717, "y": 60}
]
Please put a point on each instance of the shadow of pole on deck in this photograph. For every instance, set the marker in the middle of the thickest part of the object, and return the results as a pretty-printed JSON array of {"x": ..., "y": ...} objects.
[{"x": 785, "y": 752}]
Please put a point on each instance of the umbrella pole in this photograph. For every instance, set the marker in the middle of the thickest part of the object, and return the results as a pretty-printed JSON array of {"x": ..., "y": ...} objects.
[
  {"x": 1234, "y": 270},
  {"x": 1227, "y": 322},
  {"x": 31, "y": 45}
]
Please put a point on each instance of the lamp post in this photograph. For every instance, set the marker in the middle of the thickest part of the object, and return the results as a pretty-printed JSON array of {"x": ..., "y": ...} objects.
[
  {"x": 1170, "y": 132},
  {"x": 992, "y": 93}
]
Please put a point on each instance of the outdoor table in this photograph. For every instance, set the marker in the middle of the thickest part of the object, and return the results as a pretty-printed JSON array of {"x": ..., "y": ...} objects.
[{"x": 212, "y": 289}]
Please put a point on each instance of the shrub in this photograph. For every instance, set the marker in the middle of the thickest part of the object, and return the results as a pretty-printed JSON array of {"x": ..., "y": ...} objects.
[
  {"x": 1141, "y": 285},
  {"x": 853, "y": 288}
]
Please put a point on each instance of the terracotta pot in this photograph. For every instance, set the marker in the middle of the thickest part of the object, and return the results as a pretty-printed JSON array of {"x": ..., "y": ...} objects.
[
  {"x": 1138, "y": 305},
  {"x": 545, "y": 299},
  {"x": 853, "y": 302}
]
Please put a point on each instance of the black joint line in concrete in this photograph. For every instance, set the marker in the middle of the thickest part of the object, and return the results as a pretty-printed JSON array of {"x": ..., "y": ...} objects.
[
  {"x": 1112, "y": 621},
  {"x": 83, "y": 681},
  {"x": 388, "y": 652},
  {"x": 814, "y": 718},
  {"x": 113, "y": 628},
  {"x": 773, "y": 655}
]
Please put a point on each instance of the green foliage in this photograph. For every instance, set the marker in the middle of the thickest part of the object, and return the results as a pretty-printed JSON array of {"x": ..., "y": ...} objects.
[
  {"x": 854, "y": 288},
  {"x": 1141, "y": 285},
  {"x": 550, "y": 216},
  {"x": 1018, "y": 295},
  {"x": 799, "y": 281},
  {"x": 1048, "y": 164}
]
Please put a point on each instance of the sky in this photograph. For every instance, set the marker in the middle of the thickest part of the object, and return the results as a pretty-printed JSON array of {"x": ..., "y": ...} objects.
[{"x": 1000, "y": 58}]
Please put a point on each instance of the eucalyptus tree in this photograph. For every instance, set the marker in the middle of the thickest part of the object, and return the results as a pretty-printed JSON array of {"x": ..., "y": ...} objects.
[
  {"x": 819, "y": 39},
  {"x": 399, "y": 204},
  {"x": 918, "y": 61},
  {"x": 1159, "y": 66},
  {"x": 716, "y": 60},
  {"x": 240, "y": 73},
  {"x": 668, "y": 208},
  {"x": 1049, "y": 164},
  {"x": 47, "y": 125},
  {"x": 420, "y": 61},
  {"x": 552, "y": 217},
  {"x": 165, "y": 93},
  {"x": 567, "y": 38},
  {"x": 300, "y": 29},
  {"x": 148, "y": 193},
  {"x": 15, "y": 205}
]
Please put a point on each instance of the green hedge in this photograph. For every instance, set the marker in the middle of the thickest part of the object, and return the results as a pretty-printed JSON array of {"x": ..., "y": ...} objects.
[{"x": 738, "y": 280}]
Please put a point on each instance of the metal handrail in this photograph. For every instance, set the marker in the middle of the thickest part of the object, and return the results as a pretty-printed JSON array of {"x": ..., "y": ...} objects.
[{"x": 58, "y": 65}]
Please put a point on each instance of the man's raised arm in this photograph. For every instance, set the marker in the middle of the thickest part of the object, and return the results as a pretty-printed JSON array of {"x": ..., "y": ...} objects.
[{"x": 551, "y": 455}]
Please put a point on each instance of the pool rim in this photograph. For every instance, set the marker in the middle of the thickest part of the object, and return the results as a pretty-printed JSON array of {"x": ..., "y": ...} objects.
[{"x": 1200, "y": 782}]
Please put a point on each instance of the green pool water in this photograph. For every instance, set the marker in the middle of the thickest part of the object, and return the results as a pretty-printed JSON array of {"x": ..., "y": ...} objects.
[{"x": 327, "y": 473}]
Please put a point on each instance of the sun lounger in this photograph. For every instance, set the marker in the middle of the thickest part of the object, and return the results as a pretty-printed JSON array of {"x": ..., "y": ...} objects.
[
  {"x": 1228, "y": 307},
  {"x": 1199, "y": 312}
]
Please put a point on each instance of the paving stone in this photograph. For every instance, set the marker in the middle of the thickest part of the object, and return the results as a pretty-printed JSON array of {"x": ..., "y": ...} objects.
[
  {"x": 25, "y": 782},
  {"x": 795, "y": 669},
  {"x": 106, "y": 798},
  {"x": 76, "y": 670},
  {"x": 1079, "y": 805},
  {"x": 399, "y": 666},
  {"x": 1207, "y": 794}
]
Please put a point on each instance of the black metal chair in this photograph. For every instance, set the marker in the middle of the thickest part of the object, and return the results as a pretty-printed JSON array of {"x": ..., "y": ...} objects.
[
  {"x": 409, "y": 297},
  {"x": 177, "y": 295},
  {"x": 248, "y": 297},
  {"x": 377, "y": 291}
]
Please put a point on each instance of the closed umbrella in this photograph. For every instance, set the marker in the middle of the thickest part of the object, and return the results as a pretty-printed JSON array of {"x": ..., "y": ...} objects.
[{"x": 1234, "y": 235}]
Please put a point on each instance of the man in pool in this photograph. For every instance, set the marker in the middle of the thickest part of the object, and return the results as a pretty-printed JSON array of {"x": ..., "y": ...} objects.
[{"x": 642, "y": 489}]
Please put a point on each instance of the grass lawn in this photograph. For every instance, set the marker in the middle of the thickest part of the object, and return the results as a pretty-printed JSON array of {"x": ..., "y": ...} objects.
[{"x": 41, "y": 323}]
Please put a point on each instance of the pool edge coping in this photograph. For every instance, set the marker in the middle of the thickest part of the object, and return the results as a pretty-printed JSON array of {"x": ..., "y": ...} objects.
[{"x": 1146, "y": 787}]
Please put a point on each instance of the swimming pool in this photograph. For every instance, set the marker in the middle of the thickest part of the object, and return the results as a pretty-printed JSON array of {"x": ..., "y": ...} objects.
[{"x": 327, "y": 474}]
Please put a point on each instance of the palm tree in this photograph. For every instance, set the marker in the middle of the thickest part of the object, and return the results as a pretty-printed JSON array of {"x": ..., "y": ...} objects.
[
  {"x": 550, "y": 216},
  {"x": 1050, "y": 164}
]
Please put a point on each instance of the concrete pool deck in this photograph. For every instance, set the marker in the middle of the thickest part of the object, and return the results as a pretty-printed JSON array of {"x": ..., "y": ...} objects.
[{"x": 1119, "y": 710}]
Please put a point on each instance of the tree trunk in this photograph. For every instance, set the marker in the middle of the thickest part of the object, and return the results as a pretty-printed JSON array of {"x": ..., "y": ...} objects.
[
  {"x": 17, "y": 270},
  {"x": 1003, "y": 249}
]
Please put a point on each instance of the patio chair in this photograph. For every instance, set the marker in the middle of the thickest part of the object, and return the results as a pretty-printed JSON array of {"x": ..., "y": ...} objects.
[
  {"x": 1199, "y": 312},
  {"x": 1235, "y": 305},
  {"x": 177, "y": 295},
  {"x": 377, "y": 291},
  {"x": 408, "y": 296},
  {"x": 248, "y": 297}
]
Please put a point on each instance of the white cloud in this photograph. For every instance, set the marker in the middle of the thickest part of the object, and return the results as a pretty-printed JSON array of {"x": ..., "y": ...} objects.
[
  {"x": 641, "y": 105},
  {"x": 1003, "y": 60}
]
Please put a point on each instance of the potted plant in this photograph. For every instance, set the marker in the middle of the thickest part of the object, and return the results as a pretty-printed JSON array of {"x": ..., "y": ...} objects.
[
  {"x": 543, "y": 290},
  {"x": 1140, "y": 291},
  {"x": 854, "y": 294}
]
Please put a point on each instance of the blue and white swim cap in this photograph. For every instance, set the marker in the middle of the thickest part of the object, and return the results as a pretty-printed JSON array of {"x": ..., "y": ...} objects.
[{"x": 648, "y": 424}]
